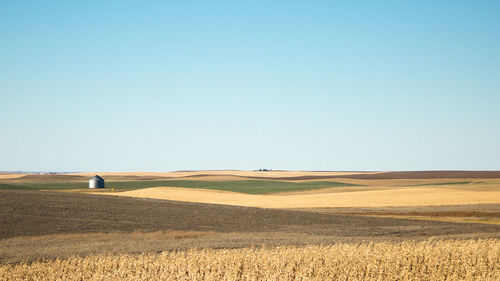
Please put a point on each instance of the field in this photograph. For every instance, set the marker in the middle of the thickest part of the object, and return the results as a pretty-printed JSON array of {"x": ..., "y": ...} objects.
[
  {"x": 368, "y": 197},
  {"x": 429, "y": 260},
  {"x": 192, "y": 223},
  {"x": 242, "y": 186}
]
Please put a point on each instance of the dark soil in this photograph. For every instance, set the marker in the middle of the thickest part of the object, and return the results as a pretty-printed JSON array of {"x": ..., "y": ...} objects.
[
  {"x": 474, "y": 210},
  {"x": 31, "y": 213}
]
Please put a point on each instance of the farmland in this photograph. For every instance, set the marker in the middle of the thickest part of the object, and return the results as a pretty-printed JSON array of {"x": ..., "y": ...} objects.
[
  {"x": 242, "y": 186},
  {"x": 429, "y": 260},
  {"x": 367, "y": 197},
  {"x": 317, "y": 222}
]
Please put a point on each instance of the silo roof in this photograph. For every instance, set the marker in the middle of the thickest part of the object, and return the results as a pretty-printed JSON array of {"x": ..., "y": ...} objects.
[{"x": 96, "y": 177}]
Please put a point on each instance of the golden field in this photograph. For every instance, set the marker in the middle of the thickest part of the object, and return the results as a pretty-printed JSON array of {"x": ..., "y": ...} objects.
[
  {"x": 329, "y": 198},
  {"x": 410, "y": 260},
  {"x": 11, "y": 176}
]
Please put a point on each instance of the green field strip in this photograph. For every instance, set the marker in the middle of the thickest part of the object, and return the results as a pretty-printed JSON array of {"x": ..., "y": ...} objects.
[{"x": 245, "y": 186}]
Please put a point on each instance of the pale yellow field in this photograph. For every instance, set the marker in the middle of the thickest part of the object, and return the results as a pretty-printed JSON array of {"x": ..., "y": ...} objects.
[
  {"x": 428, "y": 260},
  {"x": 410, "y": 196},
  {"x": 270, "y": 174},
  {"x": 11, "y": 176}
]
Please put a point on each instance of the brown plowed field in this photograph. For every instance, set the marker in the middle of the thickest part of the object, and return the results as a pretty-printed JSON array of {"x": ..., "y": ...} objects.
[{"x": 38, "y": 213}]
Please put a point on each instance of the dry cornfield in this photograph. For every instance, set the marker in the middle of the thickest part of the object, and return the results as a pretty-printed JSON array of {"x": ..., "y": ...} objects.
[{"x": 409, "y": 260}]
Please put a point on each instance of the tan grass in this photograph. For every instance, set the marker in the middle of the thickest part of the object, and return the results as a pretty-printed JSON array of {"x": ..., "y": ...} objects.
[
  {"x": 29, "y": 248},
  {"x": 427, "y": 260},
  {"x": 11, "y": 176},
  {"x": 411, "y": 196},
  {"x": 270, "y": 174}
]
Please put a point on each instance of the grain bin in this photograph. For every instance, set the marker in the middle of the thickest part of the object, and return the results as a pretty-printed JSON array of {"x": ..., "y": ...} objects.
[{"x": 96, "y": 182}]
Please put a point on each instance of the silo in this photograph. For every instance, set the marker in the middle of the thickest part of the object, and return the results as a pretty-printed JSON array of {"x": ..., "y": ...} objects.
[{"x": 96, "y": 182}]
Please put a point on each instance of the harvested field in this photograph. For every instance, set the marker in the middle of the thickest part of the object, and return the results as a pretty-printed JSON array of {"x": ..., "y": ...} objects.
[
  {"x": 412, "y": 196},
  {"x": 26, "y": 216},
  {"x": 198, "y": 212},
  {"x": 246, "y": 182},
  {"x": 263, "y": 174},
  {"x": 310, "y": 175},
  {"x": 429, "y": 260},
  {"x": 398, "y": 175},
  {"x": 431, "y": 175},
  {"x": 484, "y": 210},
  {"x": 485, "y": 213},
  {"x": 27, "y": 213},
  {"x": 10, "y": 176},
  {"x": 353, "y": 178}
]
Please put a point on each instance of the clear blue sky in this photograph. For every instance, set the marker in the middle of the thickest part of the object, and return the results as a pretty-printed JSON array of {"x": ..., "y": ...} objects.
[{"x": 301, "y": 85}]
